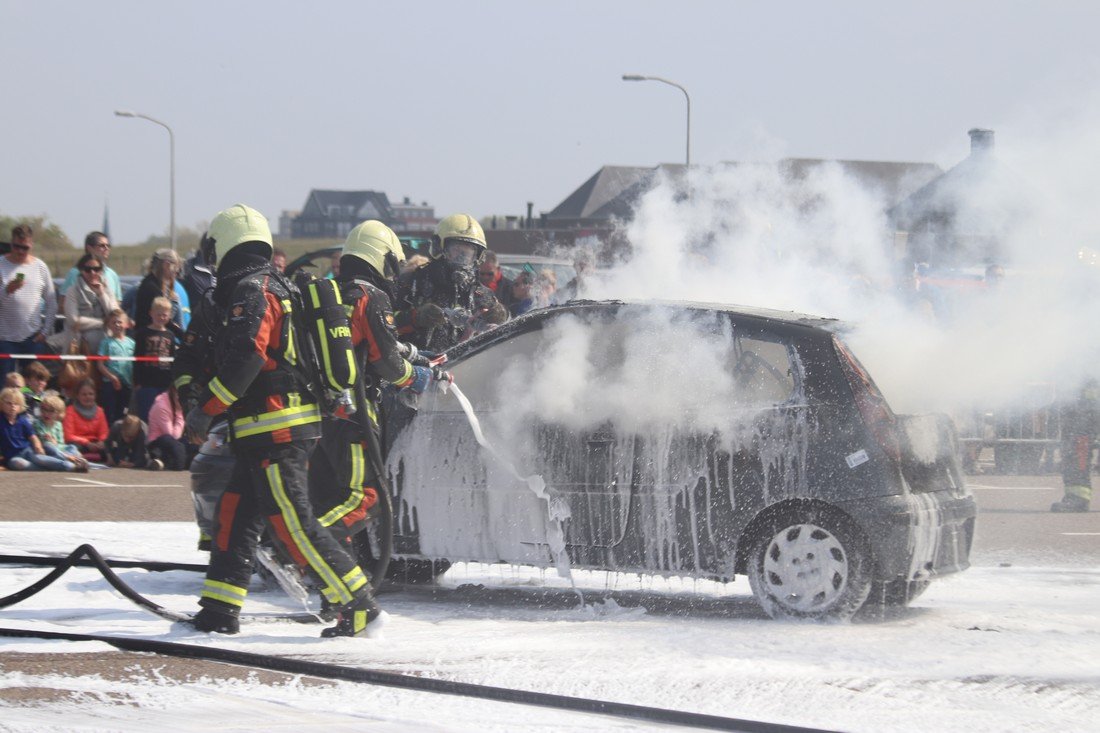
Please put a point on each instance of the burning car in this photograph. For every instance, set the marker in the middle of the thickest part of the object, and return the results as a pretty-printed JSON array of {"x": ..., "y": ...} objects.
[{"x": 683, "y": 439}]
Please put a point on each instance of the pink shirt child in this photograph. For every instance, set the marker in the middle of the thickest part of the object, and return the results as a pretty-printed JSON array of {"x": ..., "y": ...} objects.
[{"x": 161, "y": 421}]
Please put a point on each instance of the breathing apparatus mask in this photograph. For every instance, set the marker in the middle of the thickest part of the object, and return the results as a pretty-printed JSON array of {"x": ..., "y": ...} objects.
[{"x": 460, "y": 259}]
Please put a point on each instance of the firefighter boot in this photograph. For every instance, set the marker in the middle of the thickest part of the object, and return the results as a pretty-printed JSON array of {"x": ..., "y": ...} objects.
[
  {"x": 361, "y": 617},
  {"x": 217, "y": 619},
  {"x": 1070, "y": 503}
]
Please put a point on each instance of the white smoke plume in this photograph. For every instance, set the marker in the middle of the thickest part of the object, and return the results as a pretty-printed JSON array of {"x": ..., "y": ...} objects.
[{"x": 750, "y": 235}]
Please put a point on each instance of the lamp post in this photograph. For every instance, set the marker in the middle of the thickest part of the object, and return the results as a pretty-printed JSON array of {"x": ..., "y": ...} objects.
[
  {"x": 639, "y": 77},
  {"x": 171, "y": 166}
]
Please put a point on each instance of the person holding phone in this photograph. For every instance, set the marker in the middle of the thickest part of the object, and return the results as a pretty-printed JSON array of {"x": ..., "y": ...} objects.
[{"x": 28, "y": 303}]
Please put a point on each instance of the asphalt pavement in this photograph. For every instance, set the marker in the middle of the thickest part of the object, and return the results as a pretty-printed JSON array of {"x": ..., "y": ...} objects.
[{"x": 1014, "y": 525}]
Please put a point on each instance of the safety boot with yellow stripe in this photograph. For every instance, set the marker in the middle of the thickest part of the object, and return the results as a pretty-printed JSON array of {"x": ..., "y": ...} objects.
[{"x": 361, "y": 617}]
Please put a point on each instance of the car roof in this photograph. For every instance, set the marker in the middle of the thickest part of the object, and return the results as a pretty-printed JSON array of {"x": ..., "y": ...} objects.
[{"x": 784, "y": 320}]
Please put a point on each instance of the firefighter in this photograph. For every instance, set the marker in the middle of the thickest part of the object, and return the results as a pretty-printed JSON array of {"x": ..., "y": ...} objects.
[
  {"x": 1080, "y": 420},
  {"x": 443, "y": 303},
  {"x": 343, "y": 472},
  {"x": 274, "y": 421}
]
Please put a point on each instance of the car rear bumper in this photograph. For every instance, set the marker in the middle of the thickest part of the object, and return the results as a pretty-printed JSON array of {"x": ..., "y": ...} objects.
[{"x": 919, "y": 535}]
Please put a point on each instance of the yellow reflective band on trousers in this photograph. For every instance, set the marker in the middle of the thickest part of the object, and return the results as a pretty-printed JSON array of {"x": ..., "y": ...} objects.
[
  {"x": 355, "y": 579},
  {"x": 224, "y": 592},
  {"x": 335, "y": 590},
  {"x": 355, "y": 487},
  {"x": 218, "y": 390},
  {"x": 266, "y": 422}
]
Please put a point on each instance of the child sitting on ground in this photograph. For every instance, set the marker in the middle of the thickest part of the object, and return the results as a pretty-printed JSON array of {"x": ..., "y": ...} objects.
[
  {"x": 47, "y": 426},
  {"x": 37, "y": 376},
  {"x": 85, "y": 422},
  {"x": 21, "y": 448},
  {"x": 126, "y": 443},
  {"x": 165, "y": 430}
]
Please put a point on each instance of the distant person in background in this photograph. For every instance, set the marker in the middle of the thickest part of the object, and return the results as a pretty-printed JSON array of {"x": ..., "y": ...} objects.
[
  {"x": 36, "y": 376},
  {"x": 117, "y": 375},
  {"x": 51, "y": 432},
  {"x": 576, "y": 287},
  {"x": 522, "y": 293},
  {"x": 126, "y": 444},
  {"x": 166, "y": 430},
  {"x": 20, "y": 446},
  {"x": 278, "y": 260},
  {"x": 85, "y": 422},
  {"x": 489, "y": 275},
  {"x": 28, "y": 303},
  {"x": 547, "y": 288},
  {"x": 159, "y": 282},
  {"x": 994, "y": 274},
  {"x": 1080, "y": 418},
  {"x": 88, "y": 302},
  {"x": 96, "y": 243},
  {"x": 156, "y": 339},
  {"x": 333, "y": 268}
]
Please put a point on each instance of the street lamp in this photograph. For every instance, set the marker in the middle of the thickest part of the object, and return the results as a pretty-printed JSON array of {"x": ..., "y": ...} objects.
[
  {"x": 639, "y": 77},
  {"x": 171, "y": 165}
]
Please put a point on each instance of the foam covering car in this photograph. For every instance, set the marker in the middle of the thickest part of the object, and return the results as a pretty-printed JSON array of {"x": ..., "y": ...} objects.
[{"x": 683, "y": 439}]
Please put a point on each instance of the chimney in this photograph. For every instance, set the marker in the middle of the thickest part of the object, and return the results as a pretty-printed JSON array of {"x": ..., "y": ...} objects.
[{"x": 981, "y": 141}]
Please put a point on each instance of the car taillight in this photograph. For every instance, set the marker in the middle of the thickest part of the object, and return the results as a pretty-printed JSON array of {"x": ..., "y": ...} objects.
[{"x": 876, "y": 413}]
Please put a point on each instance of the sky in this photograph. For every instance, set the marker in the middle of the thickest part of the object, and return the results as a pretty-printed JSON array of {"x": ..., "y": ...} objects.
[
  {"x": 483, "y": 107},
  {"x": 1001, "y": 646}
]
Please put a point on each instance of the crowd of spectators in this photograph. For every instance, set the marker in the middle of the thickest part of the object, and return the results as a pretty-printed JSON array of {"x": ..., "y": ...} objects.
[{"x": 89, "y": 414}]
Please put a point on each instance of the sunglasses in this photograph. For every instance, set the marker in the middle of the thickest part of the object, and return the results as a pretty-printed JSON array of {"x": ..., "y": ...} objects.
[
  {"x": 21, "y": 247},
  {"x": 93, "y": 269}
]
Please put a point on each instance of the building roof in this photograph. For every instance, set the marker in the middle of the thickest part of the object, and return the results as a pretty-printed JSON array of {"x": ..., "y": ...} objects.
[
  {"x": 364, "y": 204},
  {"x": 613, "y": 190}
]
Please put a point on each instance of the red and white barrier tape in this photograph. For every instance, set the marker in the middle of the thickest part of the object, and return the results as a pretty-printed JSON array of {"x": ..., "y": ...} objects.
[{"x": 86, "y": 357}]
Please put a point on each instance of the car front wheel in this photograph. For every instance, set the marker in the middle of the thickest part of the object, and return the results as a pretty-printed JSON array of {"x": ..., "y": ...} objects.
[{"x": 813, "y": 566}]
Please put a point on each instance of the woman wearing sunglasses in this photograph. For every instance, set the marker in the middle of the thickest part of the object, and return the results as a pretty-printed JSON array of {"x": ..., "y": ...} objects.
[{"x": 88, "y": 303}]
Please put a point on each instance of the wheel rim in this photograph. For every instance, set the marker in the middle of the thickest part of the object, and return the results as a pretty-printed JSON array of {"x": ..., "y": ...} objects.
[{"x": 805, "y": 567}]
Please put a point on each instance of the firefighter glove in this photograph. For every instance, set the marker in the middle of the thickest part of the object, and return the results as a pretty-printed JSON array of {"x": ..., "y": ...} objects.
[
  {"x": 197, "y": 425},
  {"x": 422, "y": 377},
  {"x": 430, "y": 315},
  {"x": 442, "y": 379}
]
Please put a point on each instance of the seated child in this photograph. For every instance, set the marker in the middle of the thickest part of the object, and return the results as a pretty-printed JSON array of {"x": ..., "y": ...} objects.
[
  {"x": 165, "y": 430},
  {"x": 37, "y": 376},
  {"x": 126, "y": 443},
  {"x": 85, "y": 422},
  {"x": 47, "y": 426},
  {"x": 21, "y": 448}
]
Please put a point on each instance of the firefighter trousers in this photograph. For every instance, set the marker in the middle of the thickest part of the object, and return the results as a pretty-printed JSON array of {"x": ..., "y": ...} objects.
[
  {"x": 269, "y": 485},
  {"x": 343, "y": 484}
]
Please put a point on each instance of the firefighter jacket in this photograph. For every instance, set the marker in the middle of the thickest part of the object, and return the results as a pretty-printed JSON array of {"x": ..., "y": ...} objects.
[
  {"x": 258, "y": 377},
  {"x": 432, "y": 284}
]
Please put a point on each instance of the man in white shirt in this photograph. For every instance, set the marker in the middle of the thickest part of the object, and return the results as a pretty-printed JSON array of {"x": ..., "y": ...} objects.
[
  {"x": 96, "y": 243},
  {"x": 27, "y": 301}
]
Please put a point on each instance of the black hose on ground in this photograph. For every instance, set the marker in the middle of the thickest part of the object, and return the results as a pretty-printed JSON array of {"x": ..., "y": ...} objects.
[
  {"x": 155, "y": 566},
  {"x": 423, "y": 684},
  {"x": 98, "y": 562}
]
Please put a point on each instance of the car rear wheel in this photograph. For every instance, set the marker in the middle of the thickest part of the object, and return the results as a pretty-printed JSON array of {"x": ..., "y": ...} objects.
[{"x": 810, "y": 565}]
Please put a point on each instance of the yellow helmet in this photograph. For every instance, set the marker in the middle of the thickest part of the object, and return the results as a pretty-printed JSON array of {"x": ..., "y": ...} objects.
[
  {"x": 462, "y": 227},
  {"x": 237, "y": 225},
  {"x": 377, "y": 245}
]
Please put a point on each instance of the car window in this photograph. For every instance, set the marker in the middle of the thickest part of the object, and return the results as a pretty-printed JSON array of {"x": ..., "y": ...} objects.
[{"x": 762, "y": 370}]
